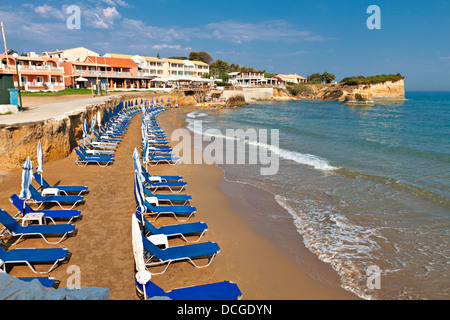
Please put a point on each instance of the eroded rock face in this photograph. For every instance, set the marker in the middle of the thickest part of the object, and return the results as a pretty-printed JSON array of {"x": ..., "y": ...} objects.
[
  {"x": 386, "y": 90},
  {"x": 57, "y": 137}
]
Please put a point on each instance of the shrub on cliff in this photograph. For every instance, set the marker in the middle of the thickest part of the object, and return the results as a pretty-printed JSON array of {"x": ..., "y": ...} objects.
[
  {"x": 351, "y": 81},
  {"x": 301, "y": 88}
]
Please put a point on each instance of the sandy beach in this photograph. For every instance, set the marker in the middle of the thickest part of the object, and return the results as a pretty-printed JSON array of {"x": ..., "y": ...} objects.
[{"x": 263, "y": 263}]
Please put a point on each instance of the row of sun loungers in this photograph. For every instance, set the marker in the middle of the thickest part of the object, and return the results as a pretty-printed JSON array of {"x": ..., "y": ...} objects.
[
  {"x": 153, "y": 254},
  {"x": 99, "y": 147},
  {"x": 40, "y": 223}
]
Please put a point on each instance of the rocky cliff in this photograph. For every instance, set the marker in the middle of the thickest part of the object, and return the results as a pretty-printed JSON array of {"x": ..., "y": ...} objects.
[{"x": 365, "y": 93}]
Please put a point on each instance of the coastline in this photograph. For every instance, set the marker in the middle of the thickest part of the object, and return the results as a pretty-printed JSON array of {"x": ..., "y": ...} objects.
[
  {"x": 267, "y": 259},
  {"x": 252, "y": 253}
]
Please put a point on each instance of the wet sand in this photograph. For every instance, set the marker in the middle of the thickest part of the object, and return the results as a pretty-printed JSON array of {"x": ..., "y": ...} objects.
[{"x": 253, "y": 254}]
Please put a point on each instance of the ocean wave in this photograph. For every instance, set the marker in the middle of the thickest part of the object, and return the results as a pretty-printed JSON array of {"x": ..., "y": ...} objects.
[
  {"x": 337, "y": 241},
  {"x": 301, "y": 158}
]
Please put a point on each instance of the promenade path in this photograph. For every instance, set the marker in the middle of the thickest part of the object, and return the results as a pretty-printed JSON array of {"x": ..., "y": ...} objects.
[{"x": 53, "y": 110}]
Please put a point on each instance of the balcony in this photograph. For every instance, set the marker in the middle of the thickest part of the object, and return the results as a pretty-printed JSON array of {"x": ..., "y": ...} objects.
[
  {"x": 37, "y": 86},
  {"x": 40, "y": 68}
]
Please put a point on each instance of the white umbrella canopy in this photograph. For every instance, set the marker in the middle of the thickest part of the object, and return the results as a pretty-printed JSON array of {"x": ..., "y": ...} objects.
[
  {"x": 85, "y": 128},
  {"x": 81, "y": 79},
  {"x": 40, "y": 160},
  {"x": 137, "y": 162},
  {"x": 27, "y": 172},
  {"x": 94, "y": 122},
  {"x": 142, "y": 274},
  {"x": 99, "y": 119},
  {"x": 139, "y": 194}
]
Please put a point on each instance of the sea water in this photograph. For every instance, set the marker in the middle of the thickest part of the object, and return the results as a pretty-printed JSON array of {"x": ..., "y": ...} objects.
[{"x": 368, "y": 188}]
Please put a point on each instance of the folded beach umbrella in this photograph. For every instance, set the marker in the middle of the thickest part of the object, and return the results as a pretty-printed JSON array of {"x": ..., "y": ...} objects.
[
  {"x": 94, "y": 121},
  {"x": 85, "y": 128},
  {"x": 27, "y": 172},
  {"x": 139, "y": 194},
  {"x": 142, "y": 274},
  {"x": 40, "y": 160},
  {"x": 99, "y": 119},
  {"x": 137, "y": 162},
  {"x": 146, "y": 150},
  {"x": 157, "y": 101}
]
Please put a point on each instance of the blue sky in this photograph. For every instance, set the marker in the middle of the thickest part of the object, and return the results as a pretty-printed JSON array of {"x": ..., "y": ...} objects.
[{"x": 298, "y": 36}]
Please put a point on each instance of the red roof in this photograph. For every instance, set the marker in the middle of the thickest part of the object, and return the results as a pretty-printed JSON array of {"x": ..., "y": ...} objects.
[{"x": 113, "y": 62}]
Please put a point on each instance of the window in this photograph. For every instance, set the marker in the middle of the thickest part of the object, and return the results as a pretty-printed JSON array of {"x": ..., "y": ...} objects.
[
  {"x": 23, "y": 80},
  {"x": 39, "y": 79}
]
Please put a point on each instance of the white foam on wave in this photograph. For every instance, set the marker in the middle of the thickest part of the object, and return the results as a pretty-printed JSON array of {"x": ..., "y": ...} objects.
[
  {"x": 347, "y": 247},
  {"x": 196, "y": 114},
  {"x": 301, "y": 158}
]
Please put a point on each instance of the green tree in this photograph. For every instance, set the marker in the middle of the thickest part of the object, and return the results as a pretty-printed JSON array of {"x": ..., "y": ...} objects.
[
  {"x": 193, "y": 56},
  {"x": 201, "y": 56},
  {"x": 219, "y": 67},
  {"x": 327, "y": 77},
  {"x": 315, "y": 77},
  {"x": 205, "y": 57}
]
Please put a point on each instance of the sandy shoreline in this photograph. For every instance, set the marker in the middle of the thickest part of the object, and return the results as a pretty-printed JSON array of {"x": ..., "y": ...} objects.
[
  {"x": 258, "y": 260},
  {"x": 264, "y": 251}
]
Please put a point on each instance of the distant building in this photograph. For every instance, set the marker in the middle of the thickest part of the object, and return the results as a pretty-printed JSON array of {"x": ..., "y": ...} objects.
[
  {"x": 74, "y": 54},
  {"x": 166, "y": 68},
  {"x": 116, "y": 73},
  {"x": 251, "y": 78},
  {"x": 35, "y": 73},
  {"x": 291, "y": 78}
]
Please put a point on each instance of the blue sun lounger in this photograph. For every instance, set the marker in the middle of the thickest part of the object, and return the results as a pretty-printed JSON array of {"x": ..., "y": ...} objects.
[
  {"x": 98, "y": 156},
  {"x": 156, "y": 256},
  {"x": 96, "y": 151},
  {"x": 82, "y": 159},
  {"x": 47, "y": 282},
  {"x": 155, "y": 159},
  {"x": 100, "y": 144},
  {"x": 30, "y": 256},
  {"x": 174, "y": 230},
  {"x": 105, "y": 139},
  {"x": 225, "y": 290},
  {"x": 24, "y": 209},
  {"x": 66, "y": 189},
  {"x": 103, "y": 146},
  {"x": 163, "y": 177},
  {"x": 39, "y": 199},
  {"x": 171, "y": 185},
  {"x": 16, "y": 230},
  {"x": 169, "y": 197},
  {"x": 175, "y": 211}
]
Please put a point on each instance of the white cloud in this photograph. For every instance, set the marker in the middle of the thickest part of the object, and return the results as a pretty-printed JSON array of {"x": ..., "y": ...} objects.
[
  {"x": 238, "y": 32},
  {"x": 175, "y": 47},
  {"x": 47, "y": 11}
]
